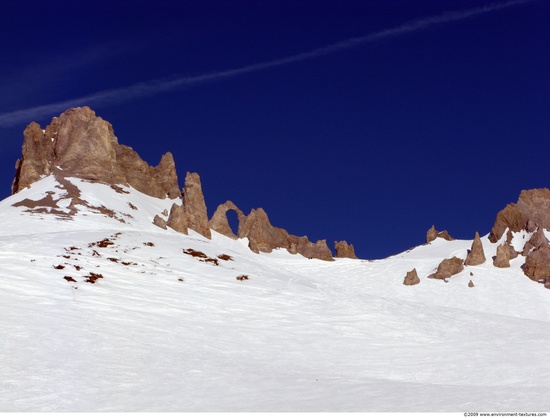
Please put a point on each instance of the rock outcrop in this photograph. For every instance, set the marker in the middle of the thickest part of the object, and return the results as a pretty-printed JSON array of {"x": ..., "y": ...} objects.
[
  {"x": 531, "y": 211},
  {"x": 158, "y": 221},
  {"x": 538, "y": 239},
  {"x": 447, "y": 268},
  {"x": 411, "y": 278},
  {"x": 505, "y": 253},
  {"x": 192, "y": 212},
  {"x": 344, "y": 250},
  {"x": 194, "y": 205},
  {"x": 80, "y": 144},
  {"x": 84, "y": 145},
  {"x": 434, "y": 233},
  {"x": 476, "y": 256},
  {"x": 264, "y": 237},
  {"x": 219, "y": 221},
  {"x": 537, "y": 265}
]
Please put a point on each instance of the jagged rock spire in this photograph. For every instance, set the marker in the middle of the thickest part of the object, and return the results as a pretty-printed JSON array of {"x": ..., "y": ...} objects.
[{"x": 84, "y": 145}]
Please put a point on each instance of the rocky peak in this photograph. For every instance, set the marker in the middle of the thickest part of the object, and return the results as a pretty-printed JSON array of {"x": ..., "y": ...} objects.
[
  {"x": 84, "y": 145},
  {"x": 434, "y": 233},
  {"x": 476, "y": 255}
]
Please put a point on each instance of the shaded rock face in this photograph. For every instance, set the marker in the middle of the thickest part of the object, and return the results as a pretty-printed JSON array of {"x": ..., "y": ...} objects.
[
  {"x": 447, "y": 268},
  {"x": 505, "y": 253},
  {"x": 344, "y": 250},
  {"x": 192, "y": 213},
  {"x": 411, "y": 278},
  {"x": 434, "y": 233},
  {"x": 532, "y": 210},
  {"x": 219, "y": 221},
  {"x": 537, "y": 265},
  {"x": 476, "y": 256},
  {"x": 83, "y": 145}
]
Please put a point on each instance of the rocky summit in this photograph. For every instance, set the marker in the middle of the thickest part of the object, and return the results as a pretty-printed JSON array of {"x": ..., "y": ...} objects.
[{"x": 81, "y": 144}]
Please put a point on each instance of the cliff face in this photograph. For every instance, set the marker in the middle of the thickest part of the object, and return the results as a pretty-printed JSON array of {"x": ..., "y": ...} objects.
[{"x": 80, "y": 144}]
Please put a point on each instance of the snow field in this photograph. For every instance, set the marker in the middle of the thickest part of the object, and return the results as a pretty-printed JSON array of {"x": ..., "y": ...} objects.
[{"x": 164, "y": 331}]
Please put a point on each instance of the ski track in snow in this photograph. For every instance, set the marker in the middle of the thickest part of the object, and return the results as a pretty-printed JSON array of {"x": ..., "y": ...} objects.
[{"x": 164, "y": 331}]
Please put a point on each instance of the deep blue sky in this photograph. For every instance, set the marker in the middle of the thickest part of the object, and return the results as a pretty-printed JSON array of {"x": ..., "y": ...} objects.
[{"x": 373, "y": 144}]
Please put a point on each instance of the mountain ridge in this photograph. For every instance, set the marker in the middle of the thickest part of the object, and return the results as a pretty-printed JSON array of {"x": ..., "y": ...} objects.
[
  {"x": 80, "y": 144},
  {"x": 106, "y": 310}
]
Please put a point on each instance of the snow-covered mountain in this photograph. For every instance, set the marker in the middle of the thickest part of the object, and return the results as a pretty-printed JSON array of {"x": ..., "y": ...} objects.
[{"x": 103, "y": 310}]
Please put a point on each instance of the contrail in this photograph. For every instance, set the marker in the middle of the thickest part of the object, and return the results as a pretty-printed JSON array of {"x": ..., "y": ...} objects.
[{"x": 152, "y": 87}]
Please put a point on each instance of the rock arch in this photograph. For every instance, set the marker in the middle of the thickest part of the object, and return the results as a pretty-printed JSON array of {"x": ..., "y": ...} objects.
[{"x": 220, "y": 223}]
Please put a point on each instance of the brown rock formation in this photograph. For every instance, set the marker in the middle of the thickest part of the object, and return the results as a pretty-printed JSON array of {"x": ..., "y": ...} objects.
[
  {"x": 344, "y": 250},
  {"x": 177, "y": 220},
  {"x": 219, "y": 222},
  {"x": 434, "y": 233},
  {"x": 532, "y": 210},
  {"x": 263, "y": 236},
  {"x": 192, "y": 213},
  {"x": 158, "y": 221},
  {"x": 411, "y": 278},
  {"x": 194, "y": 205},
  {"x": 308, "y": 249},
  {"x": 83, "y": 145},
  {"x": 538, "y": 239},
  {"x": 471, "y": 284},
  {"x": 448, "y": 268},
  {"x": 476, "y": 256},
  {"x": 505, "y": 253},
  {"x": 537, "y": 265}
]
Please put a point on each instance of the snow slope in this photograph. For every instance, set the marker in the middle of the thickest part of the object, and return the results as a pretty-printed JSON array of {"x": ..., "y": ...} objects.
[{"x": 163, "y": 330}]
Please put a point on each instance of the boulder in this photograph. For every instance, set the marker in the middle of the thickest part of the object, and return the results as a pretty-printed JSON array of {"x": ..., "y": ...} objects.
[
  {"x": 411, "y": 278},
  {"x": 476, "y": 256},
  {"x": 447, "y": 268},
  {"x": 471, "y": 284},
  {"x": 344, "y": 250},
  {"x": 158, "y": 221}
]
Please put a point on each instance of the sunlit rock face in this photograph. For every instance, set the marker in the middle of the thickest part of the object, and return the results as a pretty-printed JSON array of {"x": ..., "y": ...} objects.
[
  {"x": 447, "y": 268},
  {"x": 476, "y": 256},
  {"x": 531, "y": 211},
  {"x": 219, "y": 221},
  {"x": 344, "y": 250},
  {"x": 411, "y": 278},
  {"x": 80, "y": 144},
  {"x": 505, "y": 253}
]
